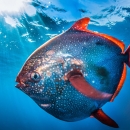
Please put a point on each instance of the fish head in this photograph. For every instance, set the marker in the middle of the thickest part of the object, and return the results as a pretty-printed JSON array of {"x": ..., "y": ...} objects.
[{"x": 30, "y": 79}]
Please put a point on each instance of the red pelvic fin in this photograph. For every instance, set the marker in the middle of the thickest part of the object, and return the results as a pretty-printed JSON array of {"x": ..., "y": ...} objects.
[
  {"x": 102, "y": 117},
  {"x": 78, "y": 82},
  {"x": 127, "y": 53},
  {"x": 81, "y": 24}
]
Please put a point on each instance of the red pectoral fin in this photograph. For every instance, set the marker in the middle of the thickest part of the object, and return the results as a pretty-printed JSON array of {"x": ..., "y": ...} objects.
[
  {"x": 85, "y": 88},
  {"x": 102, "y": 117}
]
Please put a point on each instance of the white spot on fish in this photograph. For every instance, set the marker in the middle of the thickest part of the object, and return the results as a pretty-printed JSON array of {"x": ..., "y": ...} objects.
[
  {"x": 45, "y": 105},
  {"x": 93, "y": 81},
  {"x": 40, "y": 90},
  {"x": 48, "y": 74},
  {"x": 85, "y": 74},
  {"x": 71, "y": 69}
]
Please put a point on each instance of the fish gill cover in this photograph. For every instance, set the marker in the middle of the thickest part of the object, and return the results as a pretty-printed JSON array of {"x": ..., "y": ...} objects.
[{"x": 24, "y": 26}]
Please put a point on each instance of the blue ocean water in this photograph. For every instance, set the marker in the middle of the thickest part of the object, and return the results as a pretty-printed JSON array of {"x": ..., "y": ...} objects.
[{"x": 26, "y": 27}]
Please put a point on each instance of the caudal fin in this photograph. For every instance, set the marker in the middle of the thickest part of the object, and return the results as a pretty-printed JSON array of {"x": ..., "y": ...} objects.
[{"x": 127, "y": 53}]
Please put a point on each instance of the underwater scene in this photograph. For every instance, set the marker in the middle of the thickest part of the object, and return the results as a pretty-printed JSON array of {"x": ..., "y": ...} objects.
[{"x": 72, "y": 81}]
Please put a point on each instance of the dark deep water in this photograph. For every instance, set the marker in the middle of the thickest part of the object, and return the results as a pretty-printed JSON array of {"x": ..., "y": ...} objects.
[{"x": 21, "y": 32}]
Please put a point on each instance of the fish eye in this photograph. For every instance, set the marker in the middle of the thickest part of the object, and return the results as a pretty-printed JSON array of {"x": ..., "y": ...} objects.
[{"x": 35, "y": 76}]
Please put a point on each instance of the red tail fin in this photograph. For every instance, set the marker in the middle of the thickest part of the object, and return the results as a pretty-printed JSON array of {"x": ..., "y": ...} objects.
[{"x": 127, "y": 52}]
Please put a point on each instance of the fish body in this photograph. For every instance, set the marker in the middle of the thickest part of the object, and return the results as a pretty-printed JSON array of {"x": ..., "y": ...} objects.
[{"x": 55, "y": 76}]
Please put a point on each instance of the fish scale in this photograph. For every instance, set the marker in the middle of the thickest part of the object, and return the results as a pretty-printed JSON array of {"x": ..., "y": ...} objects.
[{"x": 75, "y": 73}]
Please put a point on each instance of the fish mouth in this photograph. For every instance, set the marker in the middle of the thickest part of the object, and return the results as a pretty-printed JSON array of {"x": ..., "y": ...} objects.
[{"x": 20, "y": 83}]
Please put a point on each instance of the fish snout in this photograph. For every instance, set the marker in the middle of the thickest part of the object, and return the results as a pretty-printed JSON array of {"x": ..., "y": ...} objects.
[
  {"x": 20, "y": 83},
  {"x": 18, "y": 79}
]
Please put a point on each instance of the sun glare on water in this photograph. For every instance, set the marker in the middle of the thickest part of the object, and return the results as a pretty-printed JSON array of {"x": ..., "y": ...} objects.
[{"x": 11, "y": 6}]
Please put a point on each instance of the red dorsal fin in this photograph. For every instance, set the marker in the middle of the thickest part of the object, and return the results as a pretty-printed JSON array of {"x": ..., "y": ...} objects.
[
  {"x": 81, "y": 24},
  {"x": 102, "y": 117}
]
